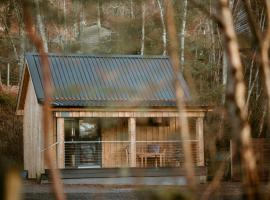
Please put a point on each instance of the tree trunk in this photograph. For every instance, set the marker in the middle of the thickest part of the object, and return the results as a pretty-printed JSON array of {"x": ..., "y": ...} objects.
[
  {"x": 224, "y": 74},
  {"x": 131, "y": 10},
  {"x": 182, "y": 35},
  {"x": 164, "y": 34},
  {"x": 98, "y": 15},
  {"x": 143, "y": 28},
  {"x": 22, "y": 51},
  {"x": 65, "y": 24},
  {"x": 40, "y": 26}
]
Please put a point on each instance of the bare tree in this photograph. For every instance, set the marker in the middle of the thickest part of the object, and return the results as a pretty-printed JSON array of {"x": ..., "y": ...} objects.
[
  {"x": 40, "y": 26},
  {"x": 131, "y": 10},
  {"x": 164, "y": 32},
  {"x": 182, "y": 35},
  {"x": 224, "y": 74},
  {"x": 143, "y": 28},
  {"x": 98, "y": 15},
  {"x": 65, "y": 24}
]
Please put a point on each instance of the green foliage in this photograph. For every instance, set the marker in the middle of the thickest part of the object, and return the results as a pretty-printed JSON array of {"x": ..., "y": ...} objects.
[{"x": 7, "y": 101}]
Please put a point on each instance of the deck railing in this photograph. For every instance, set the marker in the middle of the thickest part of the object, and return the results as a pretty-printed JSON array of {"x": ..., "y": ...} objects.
[{"x": 111, "y": 154}]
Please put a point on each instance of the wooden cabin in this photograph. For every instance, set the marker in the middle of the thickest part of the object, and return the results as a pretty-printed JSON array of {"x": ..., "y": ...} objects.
[{"x": 108, "y": 112}]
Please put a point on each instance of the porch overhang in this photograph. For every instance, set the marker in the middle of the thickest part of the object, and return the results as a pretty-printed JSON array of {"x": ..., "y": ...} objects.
[
  {"x": 199, "y": 111},
  {"x": 132, "y": 116}
]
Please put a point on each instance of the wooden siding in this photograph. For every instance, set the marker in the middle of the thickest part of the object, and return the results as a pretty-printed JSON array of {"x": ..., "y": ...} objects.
[
  {"x": 102, "y": 113},
  {"x": 114, "y": 153},
  {"x": 32, "y": 134}
]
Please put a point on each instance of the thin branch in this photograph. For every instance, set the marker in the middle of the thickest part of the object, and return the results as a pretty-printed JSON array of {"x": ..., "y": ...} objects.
[
  {"x": 10, "y": 38},
  {"x": 207, "y": 12},
  {"x": 253, "y": 24}
]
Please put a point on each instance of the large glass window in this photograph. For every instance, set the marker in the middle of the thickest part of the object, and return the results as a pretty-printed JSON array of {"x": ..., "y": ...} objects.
[{"x": 82, "y": 143}]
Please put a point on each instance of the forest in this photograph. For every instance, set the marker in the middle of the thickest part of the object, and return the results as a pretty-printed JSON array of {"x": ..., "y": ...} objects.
[{"x": 234, "y": 80}]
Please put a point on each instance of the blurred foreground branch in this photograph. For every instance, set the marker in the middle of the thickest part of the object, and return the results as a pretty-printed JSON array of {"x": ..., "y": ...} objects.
[
  {"x": 236, "y": 96},
  {"x": 174, "y": 58},
  {"x": 47, "y": 116}
]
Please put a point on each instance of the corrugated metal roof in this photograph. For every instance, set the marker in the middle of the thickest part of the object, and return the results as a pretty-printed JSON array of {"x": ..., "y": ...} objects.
[{"x": 88, "y": 80}]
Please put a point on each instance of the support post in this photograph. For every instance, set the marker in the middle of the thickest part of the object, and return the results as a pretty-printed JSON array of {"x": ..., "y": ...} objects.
[
  {"x": 199, "y": 136},
  {"x": 132, "y": 139},
  {"x": 60, "y": 143}
]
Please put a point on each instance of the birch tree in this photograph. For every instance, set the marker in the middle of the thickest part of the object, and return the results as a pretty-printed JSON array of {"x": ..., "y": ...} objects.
[
  {"x": 131, "y": 10},
  {"x": 182, "y": 35},
  {"x": 164, "y": 33},
  {"x": 65, "y": 24},
  {"x": 143, "y": 28},
  {"x": 98, "y": 15},
  {"x": 40, "y": 26},
  {"x": 224, "y": 74}
]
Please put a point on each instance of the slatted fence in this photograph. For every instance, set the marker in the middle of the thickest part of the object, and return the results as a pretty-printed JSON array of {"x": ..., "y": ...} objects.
[{"x": 261, "y": 148}]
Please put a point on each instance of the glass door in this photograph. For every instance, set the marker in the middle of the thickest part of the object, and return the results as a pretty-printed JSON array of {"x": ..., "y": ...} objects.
[
  {"x": 90, "y": 145},
  {"x": 82, "y": 143}
]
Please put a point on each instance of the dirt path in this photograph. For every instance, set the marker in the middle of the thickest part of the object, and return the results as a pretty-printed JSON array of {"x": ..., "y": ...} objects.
[{"x": 227, "y": 190}]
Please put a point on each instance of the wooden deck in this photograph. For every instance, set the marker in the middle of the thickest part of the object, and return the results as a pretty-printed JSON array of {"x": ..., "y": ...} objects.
[{"x": 124, "y": 172}]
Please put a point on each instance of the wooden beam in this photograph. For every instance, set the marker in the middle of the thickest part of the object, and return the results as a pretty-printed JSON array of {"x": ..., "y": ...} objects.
[
  {"x": 199, "y": 136},
  {"x": 132, "y": 139},
  {"x": 133, "y": 109},
  {"x": 61, "y": 144},
  {"x": 126, "y": 114}
]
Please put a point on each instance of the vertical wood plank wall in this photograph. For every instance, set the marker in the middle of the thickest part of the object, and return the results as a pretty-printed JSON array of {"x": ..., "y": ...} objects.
[
  {"x": 32, "y": 134},
  {"x": 114, "y": 154}
]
